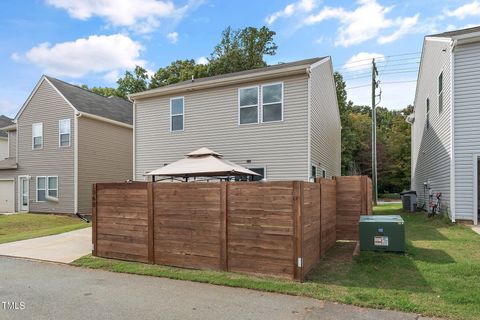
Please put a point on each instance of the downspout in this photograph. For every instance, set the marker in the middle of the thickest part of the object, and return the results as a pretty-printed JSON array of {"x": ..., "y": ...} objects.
[
  {"x": 75, "y": 163},
  {"x": 452, "y": 132},
  {"x": 309, "y": 125}
]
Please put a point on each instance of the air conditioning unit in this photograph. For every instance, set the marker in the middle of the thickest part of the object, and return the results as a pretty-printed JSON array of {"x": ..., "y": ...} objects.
[{"x": 409, "y": 201}]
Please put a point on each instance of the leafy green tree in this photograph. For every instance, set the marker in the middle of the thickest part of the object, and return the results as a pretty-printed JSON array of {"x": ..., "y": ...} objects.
[
  {"x": 177, "y": 71},
  {"x": 133, "y": 82},
  {"x": 103, "y": 91},
  {"x": 242, "y": 49}
]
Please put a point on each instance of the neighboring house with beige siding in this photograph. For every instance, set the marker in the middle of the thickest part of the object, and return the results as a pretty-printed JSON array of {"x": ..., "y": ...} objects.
[
  {"x": 64, "y": 139},
  {"x": 445, "y": 134},
  {"x": 281, "y": 121},
  {"x": 4, "y": 122}
]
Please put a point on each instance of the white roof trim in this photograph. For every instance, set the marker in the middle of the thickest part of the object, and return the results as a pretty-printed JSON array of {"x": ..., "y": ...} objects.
[
  {"x": 215, "y": 83},
  {"x": 43, "y": 78},
  {"x": 103, "y": 119}
]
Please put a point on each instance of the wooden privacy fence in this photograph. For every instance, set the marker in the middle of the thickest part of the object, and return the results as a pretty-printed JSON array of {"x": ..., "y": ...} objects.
[
  {"x": 274, "y": 228},
  {"x": 354, "y": 198}
]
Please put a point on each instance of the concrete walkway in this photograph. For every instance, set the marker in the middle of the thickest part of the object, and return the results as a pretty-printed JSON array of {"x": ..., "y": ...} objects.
[
  {"x": 58, "y": 291},
  {"x": 476, "y": 229},
  {"x": 65, "y": 247}
]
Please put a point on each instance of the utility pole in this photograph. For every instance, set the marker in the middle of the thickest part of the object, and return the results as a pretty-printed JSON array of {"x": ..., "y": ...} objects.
[{"x": 374, "y": 132}]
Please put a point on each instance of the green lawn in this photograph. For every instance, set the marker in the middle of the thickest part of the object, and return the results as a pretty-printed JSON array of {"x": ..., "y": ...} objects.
[
  {"x": 438, "y": 276},
  {"x": 26, "y": 226}
]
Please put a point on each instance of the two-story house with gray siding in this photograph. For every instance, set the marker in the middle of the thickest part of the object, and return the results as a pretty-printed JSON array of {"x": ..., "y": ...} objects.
[
  {"x": 281, "y": 121},
  {"x": 446, "y": 123},
  {"x": 63, "y": 140}
]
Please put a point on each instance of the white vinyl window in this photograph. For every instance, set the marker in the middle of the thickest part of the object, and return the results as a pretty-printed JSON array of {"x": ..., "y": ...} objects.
[
  {"x": 41, "y": 189},
  {"x": 47, "y": 186},
  {"x": 324, "y": 173},
  {"x": 248, "y": 105},
  {"x": 177, "y": 116},
  {"x": 272, "y": 102},
  {"x": 52, "y": 187},
  {"x": 37, "y": 135},
  {"x": 64, "y": 128}
]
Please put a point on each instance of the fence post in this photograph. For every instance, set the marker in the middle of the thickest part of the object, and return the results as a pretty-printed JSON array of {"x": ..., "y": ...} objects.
[
  {"x": 223, "y": 226},
  {"x": 94, "y": 219},
  {"x": 298, "y": 229},
  {"x": 150, "y": 215}
]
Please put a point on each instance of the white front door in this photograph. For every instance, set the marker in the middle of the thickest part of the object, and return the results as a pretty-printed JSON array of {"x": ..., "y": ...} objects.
[{"x": 23, "y": 193}]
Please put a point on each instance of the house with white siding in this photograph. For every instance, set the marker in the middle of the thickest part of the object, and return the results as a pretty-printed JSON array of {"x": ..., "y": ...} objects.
[
  {"x": 64, "y": 139},
  {"x": 281, "y": 121},
  {"x": 446, "y": 123}
]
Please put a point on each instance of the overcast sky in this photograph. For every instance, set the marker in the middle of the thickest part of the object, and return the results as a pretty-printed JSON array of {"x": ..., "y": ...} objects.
[{"x": 94, "y": 41}]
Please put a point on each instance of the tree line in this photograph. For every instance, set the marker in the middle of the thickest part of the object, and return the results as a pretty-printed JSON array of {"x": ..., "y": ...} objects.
[{"x": 245, "y": 49}]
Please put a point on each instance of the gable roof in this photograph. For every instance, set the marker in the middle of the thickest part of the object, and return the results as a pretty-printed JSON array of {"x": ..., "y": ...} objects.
[
  {"x": 228, "y": 78},
  {"x": 83, "y": 100},
  {"x": 456, "y": 33},
  {"x": 4, "y": 122}
]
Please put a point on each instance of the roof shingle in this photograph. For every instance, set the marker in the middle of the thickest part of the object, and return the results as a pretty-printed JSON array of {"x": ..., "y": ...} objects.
[
  {"x": 83, "y": 100},
  {"x": 4, "y": 121}
]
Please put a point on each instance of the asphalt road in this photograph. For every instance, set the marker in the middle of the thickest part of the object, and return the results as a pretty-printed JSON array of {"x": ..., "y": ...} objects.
[{"x": 43, "y": 290}]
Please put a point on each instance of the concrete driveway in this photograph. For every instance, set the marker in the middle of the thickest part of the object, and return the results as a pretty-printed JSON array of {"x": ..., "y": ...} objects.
[
  {"x": 65, "y": 247},
  {"x": 43, "y": 290}
]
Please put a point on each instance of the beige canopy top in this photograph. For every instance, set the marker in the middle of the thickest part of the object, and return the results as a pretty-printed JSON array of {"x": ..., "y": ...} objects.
[{"x": 202, "y": 163}]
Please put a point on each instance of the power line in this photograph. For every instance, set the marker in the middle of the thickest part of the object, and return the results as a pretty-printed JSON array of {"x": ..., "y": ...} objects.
[
  {"x": 381, "y": 83},
  {"x": 383, "y": 58},
  {"x": 355, "y": 65}
]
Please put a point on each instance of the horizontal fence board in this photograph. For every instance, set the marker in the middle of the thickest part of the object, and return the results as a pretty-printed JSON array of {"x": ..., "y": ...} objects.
[{"x": 245, "y": 227}]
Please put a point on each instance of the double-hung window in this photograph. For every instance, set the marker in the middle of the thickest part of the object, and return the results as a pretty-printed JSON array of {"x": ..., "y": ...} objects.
[
  {"x": 440, "y": 92},
  {"x": 47, "y": 186},
  {"x": 37, "y": 135},
  {"x": 248, "y": 105},
  {"x": 272, "y": 102},
  {"x": 177, "y": 114},
  {"x": 64, "y": 132}
]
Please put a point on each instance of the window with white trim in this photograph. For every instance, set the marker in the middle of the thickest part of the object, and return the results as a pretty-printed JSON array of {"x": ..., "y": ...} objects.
[
  {"x": 37, "y": 135},
  {"x": 440, "y": 93},
  {"x": 64, "y": 128},
  {"x": 52, "y": 187},
  {"x": 41, "y": 189},
  {"x": 47, "y": 186},
  {"x": 176, "y": 114},
  {"x": 248, "y": 105},
  {"x": 272, "y": 102}
]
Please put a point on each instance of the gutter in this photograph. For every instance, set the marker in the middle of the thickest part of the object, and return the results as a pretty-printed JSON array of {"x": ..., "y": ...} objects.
[
  {"x": 220, "y": 82},
  {"x": 92, "y": 116}
]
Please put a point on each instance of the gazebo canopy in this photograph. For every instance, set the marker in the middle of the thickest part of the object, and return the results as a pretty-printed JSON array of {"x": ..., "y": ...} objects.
[{"x": 202, "y": 163}]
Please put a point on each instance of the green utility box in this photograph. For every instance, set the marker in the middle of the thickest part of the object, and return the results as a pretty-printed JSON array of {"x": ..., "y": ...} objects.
[{"x": 382, "y": 233}]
